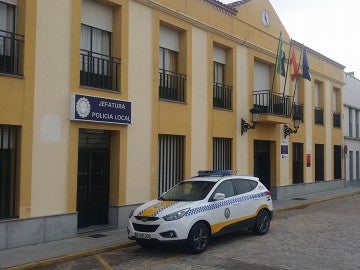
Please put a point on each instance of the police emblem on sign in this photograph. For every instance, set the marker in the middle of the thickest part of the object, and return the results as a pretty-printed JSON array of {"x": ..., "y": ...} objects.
[{"x": 227, "y": 213}]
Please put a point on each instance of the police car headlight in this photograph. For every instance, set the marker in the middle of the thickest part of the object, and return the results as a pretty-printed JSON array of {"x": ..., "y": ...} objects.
[
  {"x": 131, "y": 213},
  {"x": 176, "y": 215}
]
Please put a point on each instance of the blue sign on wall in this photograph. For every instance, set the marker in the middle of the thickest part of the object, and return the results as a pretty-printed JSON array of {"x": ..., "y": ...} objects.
[{"x": 97, "y": 109}]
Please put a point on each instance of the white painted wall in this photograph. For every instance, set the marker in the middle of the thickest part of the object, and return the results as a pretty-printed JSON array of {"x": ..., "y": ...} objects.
[
  {"x": 51, "y": 112},
  {"x": 351, "y": 99},
  {"x": 199, "y": 113},
  {"x": 242, "y": 143},
  {"x": 138, "y": 184}
]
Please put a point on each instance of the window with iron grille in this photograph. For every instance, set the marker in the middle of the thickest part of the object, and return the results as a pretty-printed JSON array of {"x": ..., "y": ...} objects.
[
  {"x": 172, "y": 84},
  {"x": 357, "y": 123},
  {"x": 222, "y": 94},
  {"x": 11, "y": 44},
  {"x": 222, "y": 154},
  {"x": 336, "y": 119},
  {"x": 319, "y": 116},
  {"x": 8, "y": 167},
  {"x": 98, "y": 68},
  {"x": 171, "y": 161}
]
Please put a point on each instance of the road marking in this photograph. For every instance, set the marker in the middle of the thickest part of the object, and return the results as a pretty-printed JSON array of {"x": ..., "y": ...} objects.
[{"x": 103, "y": 262}]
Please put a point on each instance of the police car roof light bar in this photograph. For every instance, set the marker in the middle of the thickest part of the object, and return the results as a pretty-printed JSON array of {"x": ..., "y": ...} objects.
[{"x": 215, "y": 173}]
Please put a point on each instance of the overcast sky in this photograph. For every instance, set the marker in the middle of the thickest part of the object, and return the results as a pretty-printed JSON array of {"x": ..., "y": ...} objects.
[{"x": 330, "y": 27}]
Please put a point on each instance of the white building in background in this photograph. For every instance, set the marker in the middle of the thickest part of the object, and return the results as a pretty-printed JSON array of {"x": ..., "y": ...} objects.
[{"x": 351, "y": 98}]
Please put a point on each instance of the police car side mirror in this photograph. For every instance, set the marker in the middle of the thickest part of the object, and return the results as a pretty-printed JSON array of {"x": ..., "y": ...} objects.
[{"x": 219, "y": 196}]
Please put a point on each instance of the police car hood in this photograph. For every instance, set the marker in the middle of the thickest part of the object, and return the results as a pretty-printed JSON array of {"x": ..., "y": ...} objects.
[{"x": 159, "y": 208}]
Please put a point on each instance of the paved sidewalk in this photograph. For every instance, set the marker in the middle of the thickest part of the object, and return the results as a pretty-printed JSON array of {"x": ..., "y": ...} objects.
[{"x": 101, "y": 241}]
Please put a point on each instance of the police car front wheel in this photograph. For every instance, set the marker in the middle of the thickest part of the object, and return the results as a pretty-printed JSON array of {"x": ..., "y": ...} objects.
[{"x": 198, "y": 239}]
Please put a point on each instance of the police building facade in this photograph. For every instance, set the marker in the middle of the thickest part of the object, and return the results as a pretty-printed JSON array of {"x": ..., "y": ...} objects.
[{"x": 107, "y": 104}]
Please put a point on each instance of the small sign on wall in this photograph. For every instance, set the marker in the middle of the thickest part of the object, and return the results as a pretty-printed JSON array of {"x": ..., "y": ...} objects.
[
  {"x": 284, "y": 149},
  {"x": 308, "y": 160},
  {"x": 98, "y": 109}
]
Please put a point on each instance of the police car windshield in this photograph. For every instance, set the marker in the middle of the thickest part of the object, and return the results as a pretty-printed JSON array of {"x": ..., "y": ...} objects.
[{"x": 188, "y": 191}]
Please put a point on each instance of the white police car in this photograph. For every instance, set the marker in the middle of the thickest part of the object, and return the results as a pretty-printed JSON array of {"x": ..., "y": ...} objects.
[{"x": 212, "y": 203}]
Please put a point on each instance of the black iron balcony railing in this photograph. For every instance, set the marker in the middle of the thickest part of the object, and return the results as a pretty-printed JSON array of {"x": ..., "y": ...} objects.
[
  {"x": 319, "y": 116},
  {"x": 337, "y": 119},
  {"x": 267, "y": 101},
  {"x": 222, "y": 96},
  {"x": 11, "y": 52},
  {"x": 172, "y": 85},
  {"x": 299, "y": 111},
  {"x": 99, "y": 70}
]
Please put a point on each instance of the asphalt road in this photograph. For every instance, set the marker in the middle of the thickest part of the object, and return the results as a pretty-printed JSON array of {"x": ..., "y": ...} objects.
[{"x": 325, "y": 235}]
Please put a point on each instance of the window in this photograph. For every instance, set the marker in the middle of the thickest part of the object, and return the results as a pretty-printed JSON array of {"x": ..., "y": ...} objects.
[
  {"x": 350, "y": 122},
  {"x": 222, "y": 154},
  {"x": 10, "y": 42},
  {"x": 226, "y": 188},
  {"x": 222, "y": 94},
  {"x": 357, "y": 123},
  {"x": 318, "y": 111},
  {"x": 243, "y": 186},
  {"x": 97, "y": 67},
  {"x": 8, "y": 165},
  {"x": 357, "y": 165},
  {"x": 171, "y": 161},
  {"x": 336, "y": 113},
  {"x": 171, "y": 82}
]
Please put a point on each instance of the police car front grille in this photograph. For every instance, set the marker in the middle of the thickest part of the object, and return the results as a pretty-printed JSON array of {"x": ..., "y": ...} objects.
[
  {"x": 145, "y": 228},
  {"x": 144, "y": 219}
]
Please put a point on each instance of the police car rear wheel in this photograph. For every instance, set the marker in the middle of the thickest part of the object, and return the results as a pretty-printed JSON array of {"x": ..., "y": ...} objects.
[
  {"x": 262, "y": 223},
  {"x": 198, "y": 239}
]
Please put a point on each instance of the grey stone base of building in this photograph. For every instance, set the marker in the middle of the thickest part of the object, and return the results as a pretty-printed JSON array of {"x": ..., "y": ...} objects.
[
  {"x": 287, "y": 192},
  {"x": 29, "y": 231}
]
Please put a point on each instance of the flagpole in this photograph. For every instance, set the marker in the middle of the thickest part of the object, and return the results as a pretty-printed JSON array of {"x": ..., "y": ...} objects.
[
  {"x": 272, "y": 86},
  {"x": 296, "y": 80},
  {"x": 287, "y": 69}
]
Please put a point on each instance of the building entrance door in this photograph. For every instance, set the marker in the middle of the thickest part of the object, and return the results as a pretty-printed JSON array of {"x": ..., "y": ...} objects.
[
  {"x": 262, "y": 161},
  {"x": 93, "y": 178},
  {"x": 319, "y": 162},
  {"x": 297, "y": 162}
]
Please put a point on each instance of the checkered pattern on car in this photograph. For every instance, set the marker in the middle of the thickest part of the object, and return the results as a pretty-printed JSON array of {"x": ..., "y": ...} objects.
[{"x": 224, "y": 203}]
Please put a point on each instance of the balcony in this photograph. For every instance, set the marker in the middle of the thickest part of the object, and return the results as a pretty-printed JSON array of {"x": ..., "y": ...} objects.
[
  {"x": 319, "y": 116},
  {"x": 222, "y": 96},
  {"x": 273, "y": 107},
  {"x": 336, "y": 119},
  {"x": 172, "y": 86},
  {"x": 99, "y": 71},
  {"x": 11, "y": 51}
]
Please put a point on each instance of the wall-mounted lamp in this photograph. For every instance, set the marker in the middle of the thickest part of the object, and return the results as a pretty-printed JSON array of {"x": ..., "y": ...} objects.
[
  {"x": 254, "y": 119},
  {"x": 288, "y": 130}
]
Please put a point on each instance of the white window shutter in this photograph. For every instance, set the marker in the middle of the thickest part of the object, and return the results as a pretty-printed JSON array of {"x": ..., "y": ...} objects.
[
  {"x": 97, "y": 15},
  {"x": 169, "y": 38}
]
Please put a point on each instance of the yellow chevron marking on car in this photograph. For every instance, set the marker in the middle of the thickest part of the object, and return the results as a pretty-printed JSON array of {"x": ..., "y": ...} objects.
[
  {"x": 217, "y": 227},
  {"x": 156, "y": 208}
]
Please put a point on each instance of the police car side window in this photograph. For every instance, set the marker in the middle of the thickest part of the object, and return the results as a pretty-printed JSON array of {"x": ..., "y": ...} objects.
[
  {"x": 253, "y": 184},
  {"x": 242, "y": 186},
  {"x": 226, "y": 188}
]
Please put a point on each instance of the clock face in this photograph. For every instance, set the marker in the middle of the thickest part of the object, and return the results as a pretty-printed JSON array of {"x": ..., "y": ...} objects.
[{"x": 265, "y": 18}]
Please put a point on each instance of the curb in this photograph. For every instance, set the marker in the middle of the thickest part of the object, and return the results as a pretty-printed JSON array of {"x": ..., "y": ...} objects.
[
  {"x": 71, "y": 256},
  {"x": 305, "y": 204}
]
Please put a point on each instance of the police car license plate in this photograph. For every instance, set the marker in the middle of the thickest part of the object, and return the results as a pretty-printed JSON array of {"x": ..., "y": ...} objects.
[{"x": 142, "y": 235}]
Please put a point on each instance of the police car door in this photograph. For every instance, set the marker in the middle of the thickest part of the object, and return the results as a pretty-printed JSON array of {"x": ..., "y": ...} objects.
[
  {"x": 246, "y": 203},
  {"x": 221, "y": 214}
]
